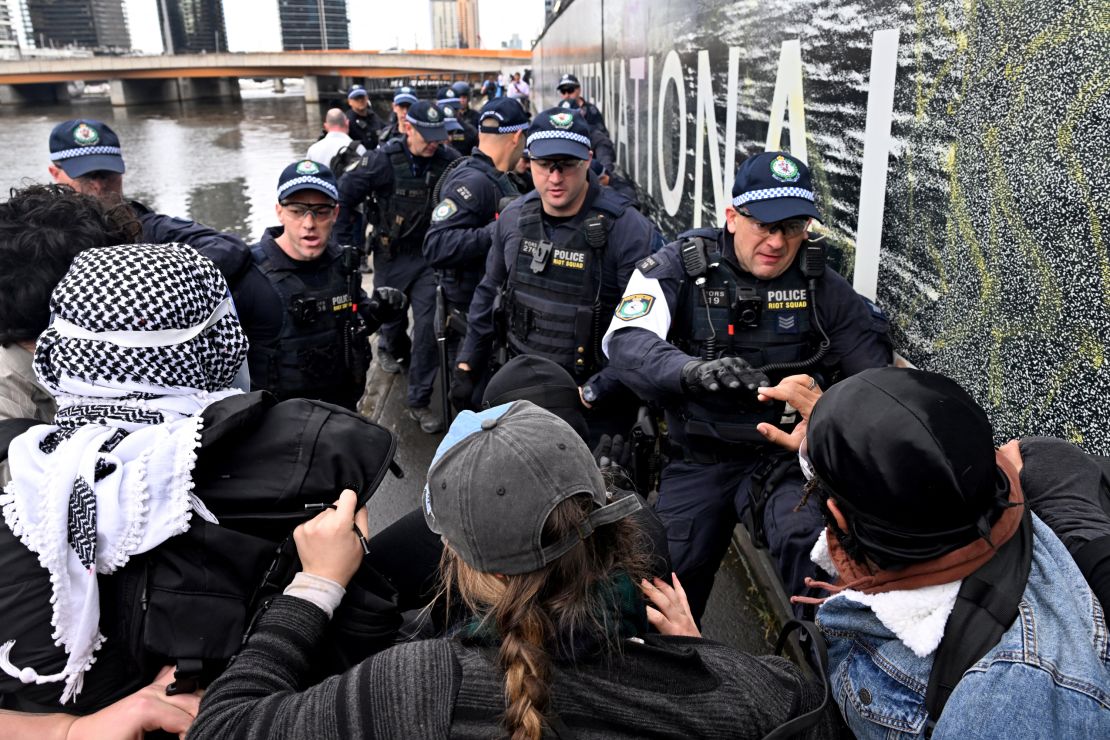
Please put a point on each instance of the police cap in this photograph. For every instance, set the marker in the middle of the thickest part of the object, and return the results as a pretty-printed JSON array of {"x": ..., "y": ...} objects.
[
  {"x": 305, "y": 174},
  {"x": 502, "y": 116},
  {"x": 773, "y": 186},
  {"x": 556, "y": 132},
  {"x": 83, "y": 145},
  {"x": 428, "y": 120}
]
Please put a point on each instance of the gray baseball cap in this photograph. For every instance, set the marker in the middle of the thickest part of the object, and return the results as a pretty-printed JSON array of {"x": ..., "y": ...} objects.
[{"x": 497, "y": 476}]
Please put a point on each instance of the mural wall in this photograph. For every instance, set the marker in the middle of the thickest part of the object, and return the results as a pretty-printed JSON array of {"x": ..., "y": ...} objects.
[{"x": 961, "y": 153}]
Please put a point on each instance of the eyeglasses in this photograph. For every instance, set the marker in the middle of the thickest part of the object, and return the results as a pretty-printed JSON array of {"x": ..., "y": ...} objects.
[
  {"x": 789, "y": 227},
  {"x": 558, "y": 165},
  {"x": 567, "y": 90},
  {"x": 321, "y": 212}
]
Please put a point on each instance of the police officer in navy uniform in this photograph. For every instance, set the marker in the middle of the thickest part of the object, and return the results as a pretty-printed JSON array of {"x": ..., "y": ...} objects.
[
  {"x": 558, "y": 261},
  {"x": 571, "y": 89},
  {"x": 460, "y": 134},
  {"x": 394, "y": 186},
  {"x": 471, "y": 194},
  {"x": 702, "y": 324},
  {"x": 465, "y": 112},
  {"x": 86, "y": 155},
  {"x": 295, "y": 303},
  {"x": 403, "y": 97},
  {"x": 363, "y": 123}
]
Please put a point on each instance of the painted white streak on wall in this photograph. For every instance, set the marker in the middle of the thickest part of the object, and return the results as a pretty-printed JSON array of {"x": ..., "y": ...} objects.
[
  {"x": 637, "y": 71},
  {"x": 876, "y": 155},
  {"x": 788, "y": 90},
  {"x": 672, "y": 72},
  {"x": 705, "y": 132}
]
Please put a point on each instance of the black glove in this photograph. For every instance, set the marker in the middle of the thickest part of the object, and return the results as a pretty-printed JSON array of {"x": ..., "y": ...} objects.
[
  {"x": 613, "y": 452},
  {"x": 386, "y": 304},
  {"x": 731, "y": 373},
  {"x": 462, "y": 389}
]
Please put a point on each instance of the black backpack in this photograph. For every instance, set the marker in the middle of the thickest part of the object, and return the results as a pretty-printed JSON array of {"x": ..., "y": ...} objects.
[
  {"x": 189, "y": 601},
  {"x": 345, "y": 159}
]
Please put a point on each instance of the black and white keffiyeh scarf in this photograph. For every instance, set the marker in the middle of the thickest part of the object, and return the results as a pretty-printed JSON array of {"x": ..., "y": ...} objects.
[{"x": 144, "y": 337}]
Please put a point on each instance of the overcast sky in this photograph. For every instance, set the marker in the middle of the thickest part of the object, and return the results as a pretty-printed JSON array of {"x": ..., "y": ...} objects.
[{"x": 252, "y": 25}]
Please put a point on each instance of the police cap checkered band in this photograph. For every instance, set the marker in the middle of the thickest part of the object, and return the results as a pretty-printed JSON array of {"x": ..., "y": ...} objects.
[
  {"x": 771, "y": 194},
  {"x": 300, "y": 183},
  {"x": 85, "y": 151},
  {"x": 487, "y": 124},
  {"x": 568, "y": 135},
  {"x": 404, "y": 96}
]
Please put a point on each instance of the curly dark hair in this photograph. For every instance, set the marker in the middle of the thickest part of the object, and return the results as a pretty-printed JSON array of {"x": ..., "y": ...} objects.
[{"x": 42, "y": 228}]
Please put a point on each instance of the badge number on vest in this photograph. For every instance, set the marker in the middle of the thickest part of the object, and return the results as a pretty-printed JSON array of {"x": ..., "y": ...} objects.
[
  {"x": 634, "y": 306},
  {"x": 715, "y": 297}
]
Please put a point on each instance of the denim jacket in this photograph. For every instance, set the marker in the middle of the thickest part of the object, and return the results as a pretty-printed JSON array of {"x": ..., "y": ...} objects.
[{"x": 1048, "y": 677}]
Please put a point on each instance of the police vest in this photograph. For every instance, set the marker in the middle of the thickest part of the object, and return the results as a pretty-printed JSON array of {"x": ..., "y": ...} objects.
[
  {"x": 735, "y": 315},
  {"x": 307, "y": 357},
  {"x": 553, "y": 298},
  {"x": 404, "y": 215}
]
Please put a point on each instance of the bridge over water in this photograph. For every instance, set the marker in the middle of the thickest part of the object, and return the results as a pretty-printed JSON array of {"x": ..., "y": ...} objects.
[{"x": 189, "y": 76}]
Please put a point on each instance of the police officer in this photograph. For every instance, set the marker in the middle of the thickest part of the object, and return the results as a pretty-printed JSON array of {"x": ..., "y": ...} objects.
[
  {"x": 394, "y": 186},
  {"x": 471, "y": 195},
  {"x": 295, "y": 302},
  {"x": 465, "y": 112},
  {"x": 571, "y": 89},
  {"x": 696, "y": 318},
  {"x": 363, "y": 123},
  {"x": 460, "y": 134},
  {"x": 558, "y": 260},
  {"x": 403, "y": 97},
  {"x": 87, "y": 156}
]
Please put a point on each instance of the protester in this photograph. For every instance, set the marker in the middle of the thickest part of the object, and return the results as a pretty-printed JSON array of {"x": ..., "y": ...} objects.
[
  {"x": 551, "y": 569},
  {"x": 955, "y": 611},
  {"x": 143, "y": 339}
]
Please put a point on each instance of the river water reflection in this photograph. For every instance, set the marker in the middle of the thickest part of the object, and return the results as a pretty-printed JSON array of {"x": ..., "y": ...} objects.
[{"x": 216, "y": 162}]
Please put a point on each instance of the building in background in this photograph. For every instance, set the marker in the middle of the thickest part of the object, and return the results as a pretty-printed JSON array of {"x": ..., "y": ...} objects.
[
  {"x": 455, "y": 24},
  {"x": 100, "y": 25},
  {"x": 192, "y": 26},
  {"x": 468, "y": 25},
  {"x": 314, "y": 24},
  {"x": 9, "y": 37}
]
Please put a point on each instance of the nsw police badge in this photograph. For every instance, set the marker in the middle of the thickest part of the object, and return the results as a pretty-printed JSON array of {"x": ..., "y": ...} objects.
[
  {"x": 634, "y": 306},
  {"x": 444, "y": 211},
  {"x": 85, "y": 135},
  {"x": 308, "y": 167},
  {"x": 562, "y": 120},
  {"x": 783, "y": 170}
]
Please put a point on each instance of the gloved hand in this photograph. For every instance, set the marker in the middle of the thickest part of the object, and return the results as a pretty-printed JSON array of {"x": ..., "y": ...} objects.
[
  {"x": 614, "y": 459},
  {"x": 462, "y": 389},
  {"x": 732, "y": 373},
  {"x": 387, "y": 304},
  {"x": 613, "y": 451}
]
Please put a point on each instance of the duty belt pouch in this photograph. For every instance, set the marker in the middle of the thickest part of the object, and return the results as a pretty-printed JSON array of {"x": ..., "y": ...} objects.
[{"x": 540, "y": 256}]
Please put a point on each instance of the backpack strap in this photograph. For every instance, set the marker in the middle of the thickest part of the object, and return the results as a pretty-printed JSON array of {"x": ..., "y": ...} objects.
[
  {"x": 820, "y": 653},
  {"x": 986, "y": 606}
]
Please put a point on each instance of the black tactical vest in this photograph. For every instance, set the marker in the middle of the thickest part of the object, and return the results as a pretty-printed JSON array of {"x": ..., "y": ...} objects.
[
  {"x": 734, "y": 314},
  {"x": 553, "y": 298},
  {"x": 307, "y": 358},
  {"x": 404, "y": 215}
]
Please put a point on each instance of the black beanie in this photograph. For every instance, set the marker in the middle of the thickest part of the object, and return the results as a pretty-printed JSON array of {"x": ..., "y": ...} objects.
[
  {"x": 541, "y": 381},
  {"x": 909, "y": 457}
]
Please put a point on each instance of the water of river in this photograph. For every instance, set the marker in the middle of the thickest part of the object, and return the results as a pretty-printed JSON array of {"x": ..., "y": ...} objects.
[{"x": 216, "y": 162}]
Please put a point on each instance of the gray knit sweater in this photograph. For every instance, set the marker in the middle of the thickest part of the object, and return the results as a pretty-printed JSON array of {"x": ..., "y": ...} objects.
[{"x": 665, "y": 687}]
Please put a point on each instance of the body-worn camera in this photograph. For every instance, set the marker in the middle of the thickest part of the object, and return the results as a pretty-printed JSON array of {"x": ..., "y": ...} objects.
[
  {"x": 747, "y": 308},
  {"x": 305, "y": 310}
]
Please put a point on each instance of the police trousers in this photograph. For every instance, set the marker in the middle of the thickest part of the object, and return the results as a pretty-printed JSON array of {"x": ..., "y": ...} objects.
[
  {"x": 408, "y": 272},
  {"x": 701, "y": 504}
]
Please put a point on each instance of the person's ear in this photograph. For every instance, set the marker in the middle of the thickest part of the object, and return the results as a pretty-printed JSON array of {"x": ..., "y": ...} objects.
[
  {"x": 730, "y": 219},
  {"x": 841, "y": 522},
  {"x": 277, "y": 209}
]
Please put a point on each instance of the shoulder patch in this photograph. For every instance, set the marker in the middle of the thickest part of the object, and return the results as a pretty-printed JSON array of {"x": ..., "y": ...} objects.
[
  {"x": 634, "y": 306},
  {"x": 464, "y": 192},
  {"x": 445, "y": 210},
  {"x": 647, "y": 264}
]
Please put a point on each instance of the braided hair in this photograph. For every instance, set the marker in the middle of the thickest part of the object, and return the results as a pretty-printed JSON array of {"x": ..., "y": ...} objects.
[{"x": 537, "y": 615}]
